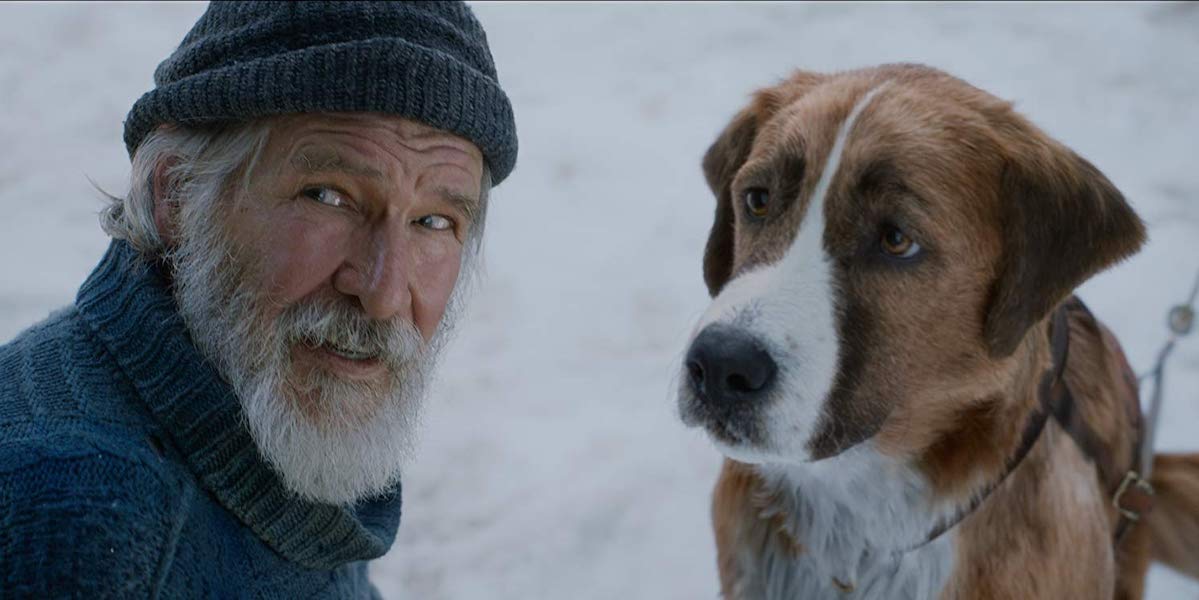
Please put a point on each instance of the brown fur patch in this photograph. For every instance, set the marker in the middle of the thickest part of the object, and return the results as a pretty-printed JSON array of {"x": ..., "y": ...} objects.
[
  {"x": 1054, "y": 204},
  {"x": 738, "y": 523},
  {"x": 977, "y": 443},
  {"x": 1035, "y": 537},
  {"x": 1174, "y": 522}
]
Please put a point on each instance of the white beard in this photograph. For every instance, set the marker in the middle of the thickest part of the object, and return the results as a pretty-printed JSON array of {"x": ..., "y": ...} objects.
[{"x": 336, "y": 456}]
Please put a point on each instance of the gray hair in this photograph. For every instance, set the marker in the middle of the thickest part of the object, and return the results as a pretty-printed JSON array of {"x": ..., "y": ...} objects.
[{"x": 204, "y": 164}]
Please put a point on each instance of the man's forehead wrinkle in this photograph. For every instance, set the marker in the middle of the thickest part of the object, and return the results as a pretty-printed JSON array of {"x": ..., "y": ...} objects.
[
  {"x": 410, "y": 134},
  {"x": 316, "y": 158},
  {"x": 372, "y": 149},
  {"x": 323, "y": 159}
]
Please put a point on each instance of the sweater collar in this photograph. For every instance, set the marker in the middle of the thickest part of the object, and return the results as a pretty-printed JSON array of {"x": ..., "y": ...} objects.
[{"x": 126, "y": 301}]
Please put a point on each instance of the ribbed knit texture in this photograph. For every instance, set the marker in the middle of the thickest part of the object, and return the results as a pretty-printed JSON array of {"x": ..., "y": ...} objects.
[
  {"x": 427, "y": 61},
  {"x": 125, "y": 469}
]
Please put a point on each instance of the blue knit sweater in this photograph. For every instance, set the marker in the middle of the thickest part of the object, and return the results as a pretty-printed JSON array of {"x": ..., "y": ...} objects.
[{"x": 126, "y": 471}]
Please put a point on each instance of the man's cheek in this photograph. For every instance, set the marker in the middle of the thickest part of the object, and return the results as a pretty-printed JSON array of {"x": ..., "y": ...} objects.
[
  {"x": 297, "y": 258},
  {"x": 436, "y": 268}
]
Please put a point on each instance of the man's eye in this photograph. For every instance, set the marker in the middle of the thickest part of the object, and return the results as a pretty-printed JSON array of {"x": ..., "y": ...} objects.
[
  {"x": 325, "y": 195},
  {"x": 436, "y": 222}
]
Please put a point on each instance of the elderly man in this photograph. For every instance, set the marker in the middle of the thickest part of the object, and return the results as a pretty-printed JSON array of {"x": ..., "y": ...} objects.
[{"x": 226, "y": 408}]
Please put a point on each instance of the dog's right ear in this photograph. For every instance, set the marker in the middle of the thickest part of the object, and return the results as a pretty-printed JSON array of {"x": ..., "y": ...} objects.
[{"x": 721, "y": 162}]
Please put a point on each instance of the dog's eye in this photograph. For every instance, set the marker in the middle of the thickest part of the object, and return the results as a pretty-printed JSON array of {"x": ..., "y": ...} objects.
[
  {"x": 757, "y": 200},
  {"x": 897, "y": 243}
]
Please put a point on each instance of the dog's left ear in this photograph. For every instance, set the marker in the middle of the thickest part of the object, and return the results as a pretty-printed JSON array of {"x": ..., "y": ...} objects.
[{"x": 1063, "y": 221}]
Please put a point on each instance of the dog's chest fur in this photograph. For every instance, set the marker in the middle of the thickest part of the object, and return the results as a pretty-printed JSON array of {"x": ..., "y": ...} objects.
[{"x": 851, "y": 521}]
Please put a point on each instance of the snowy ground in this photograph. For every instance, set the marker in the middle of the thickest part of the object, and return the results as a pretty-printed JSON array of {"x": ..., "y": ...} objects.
[{"x": 553, "y": 465}]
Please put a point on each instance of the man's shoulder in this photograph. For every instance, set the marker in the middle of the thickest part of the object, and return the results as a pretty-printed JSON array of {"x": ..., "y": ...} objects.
[
  {"x": 95, "y": 510},
  {"x": 37, "y": 336},
  {"x": 58, "y": 381},
  {"x": 36, "y": 360},
  {"x": 75, "y": 471},
  {"x": 86, "y": 491},
  {"x": 69, "y": 423},
  {"x": 77, "y": 455}
]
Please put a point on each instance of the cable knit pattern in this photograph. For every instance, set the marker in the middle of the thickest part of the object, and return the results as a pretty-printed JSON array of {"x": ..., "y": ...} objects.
[
  {"x": 126, "y": 471},
  {"x": 428, "y": 61}
]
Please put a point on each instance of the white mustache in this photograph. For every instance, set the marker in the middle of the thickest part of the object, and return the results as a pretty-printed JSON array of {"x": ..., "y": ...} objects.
[{"x": 319, "y": 322}]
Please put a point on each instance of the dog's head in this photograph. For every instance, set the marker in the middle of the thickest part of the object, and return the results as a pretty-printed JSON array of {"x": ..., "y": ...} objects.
[{"x": 887, "y": 244}]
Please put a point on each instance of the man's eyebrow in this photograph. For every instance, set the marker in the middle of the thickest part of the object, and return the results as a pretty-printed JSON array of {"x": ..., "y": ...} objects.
[
  {"x": 324, "y": 160},
  {"x": 316, "y": 161},
  {"x": 467, "y": 204}
]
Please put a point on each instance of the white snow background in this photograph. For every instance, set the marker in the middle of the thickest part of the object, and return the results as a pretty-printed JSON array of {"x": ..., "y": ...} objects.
[{"x": 553, "y": 464}]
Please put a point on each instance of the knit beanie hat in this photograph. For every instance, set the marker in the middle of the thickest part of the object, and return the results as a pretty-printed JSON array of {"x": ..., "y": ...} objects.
[{"x": 426, "y": 61}]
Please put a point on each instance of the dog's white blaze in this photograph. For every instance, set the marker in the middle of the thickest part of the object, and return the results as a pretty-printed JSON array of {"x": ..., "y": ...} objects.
[{"x": 853, "y": 512}]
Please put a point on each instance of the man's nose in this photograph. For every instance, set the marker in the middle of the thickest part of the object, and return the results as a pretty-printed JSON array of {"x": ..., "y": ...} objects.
[{"x": 384, "y": 272}]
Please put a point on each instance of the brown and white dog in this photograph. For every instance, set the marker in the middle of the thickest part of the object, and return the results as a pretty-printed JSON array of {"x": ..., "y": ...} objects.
[{"x": 889, "y": 251}]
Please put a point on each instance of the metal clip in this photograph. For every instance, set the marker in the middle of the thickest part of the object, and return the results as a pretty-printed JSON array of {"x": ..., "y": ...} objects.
[
  {"x": 843, "y": 587},
  {"x": 1182, "y": 318},
  {"x": 1131, "y": 479}
]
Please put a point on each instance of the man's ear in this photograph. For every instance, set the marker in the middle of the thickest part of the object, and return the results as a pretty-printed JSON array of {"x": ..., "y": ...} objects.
[
  {"x": 162, "y": 185},
  {"x": 726, "y": 156},
  {"x": 1063, "y": 221}
]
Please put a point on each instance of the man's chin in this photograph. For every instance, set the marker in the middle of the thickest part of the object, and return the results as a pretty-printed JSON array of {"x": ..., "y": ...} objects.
[
  {"x": 332, "y": 404},
  {"x": 330, "y": 457}
]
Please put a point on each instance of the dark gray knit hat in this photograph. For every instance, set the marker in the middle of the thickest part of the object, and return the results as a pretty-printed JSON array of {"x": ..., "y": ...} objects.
[{"x": 427, "y": 61}]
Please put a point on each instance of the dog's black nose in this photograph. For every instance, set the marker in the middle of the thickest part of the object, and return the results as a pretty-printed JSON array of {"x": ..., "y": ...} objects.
[{"x": 727, "y": 365}]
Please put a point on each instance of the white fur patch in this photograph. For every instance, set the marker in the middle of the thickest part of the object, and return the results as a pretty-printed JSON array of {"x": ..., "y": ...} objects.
[{"x": 856, "y": 515}]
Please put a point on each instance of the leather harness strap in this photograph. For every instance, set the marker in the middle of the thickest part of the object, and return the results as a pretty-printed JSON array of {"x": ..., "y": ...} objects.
[{"x": 1131, "y": 494}]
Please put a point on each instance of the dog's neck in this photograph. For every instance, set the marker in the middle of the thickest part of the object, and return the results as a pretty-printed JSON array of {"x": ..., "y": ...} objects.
[
  {"x": 867, "y": 525},
  {"x": 852, "y": 517}
]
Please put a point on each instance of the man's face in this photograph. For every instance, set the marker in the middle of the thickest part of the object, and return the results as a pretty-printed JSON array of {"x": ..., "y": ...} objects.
[
  {"x": 368, "y": 211},
  {"x": 320, "y": 287},
  {"x": 371, "y": 209}
]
